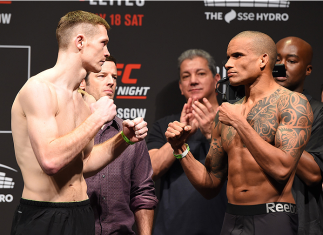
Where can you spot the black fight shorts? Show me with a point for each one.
(275, 218)
(48, 218)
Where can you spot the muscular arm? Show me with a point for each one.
(308, 170)
(291, 135)
(144, 220)
(53, 151)
(103, 154)
(207, 179)
(161, 160)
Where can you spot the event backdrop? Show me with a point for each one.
(146, 37)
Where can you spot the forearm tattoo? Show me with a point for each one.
(216, 161)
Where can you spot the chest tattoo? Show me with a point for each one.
(263, 117)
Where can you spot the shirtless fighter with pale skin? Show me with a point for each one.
(256, 143)
(53, 130)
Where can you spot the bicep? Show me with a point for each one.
(294, 129)
(39, 108)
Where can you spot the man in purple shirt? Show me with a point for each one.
(123, 192)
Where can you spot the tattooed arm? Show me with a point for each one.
(291, 134)
(207, 179)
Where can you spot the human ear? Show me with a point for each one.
(180, 87)
(82, 85)
(264, 60)
(217, 77)
(309, 69)
(79, 41)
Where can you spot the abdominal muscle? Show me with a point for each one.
(68, 185)
(249, 185)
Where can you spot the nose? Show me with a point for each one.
(193, 79)
(106, 52)
(110, 80)
(284, 63)
(228, 64)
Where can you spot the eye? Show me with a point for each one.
(105, 43)
(291, 61)
(236, 55)
(100, 76)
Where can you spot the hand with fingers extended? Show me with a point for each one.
(177, 134)
(187, 116)
(104, 108)
(204, 114)
(135, 130)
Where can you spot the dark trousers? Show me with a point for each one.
(47, 218)
(259, 220)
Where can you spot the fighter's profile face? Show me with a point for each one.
(243, 63)
(95, 50)
(103, 83)
(196, 79)
(293, 55)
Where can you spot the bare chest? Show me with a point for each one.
(263, 118)
(72, 111)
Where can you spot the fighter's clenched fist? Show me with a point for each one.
(230, 114)
(135, 130)
(104, 108)
(177, 133)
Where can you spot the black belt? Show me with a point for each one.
(271, 207)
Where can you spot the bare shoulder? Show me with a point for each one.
(37, 93)
(294, 105)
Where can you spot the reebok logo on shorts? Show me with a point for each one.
(281, 207)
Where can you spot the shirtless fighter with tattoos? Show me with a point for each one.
(256, 143)
(53, 130)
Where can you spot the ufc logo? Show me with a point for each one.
(126, 72)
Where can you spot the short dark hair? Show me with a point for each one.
(111, 58)
(108, 58)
